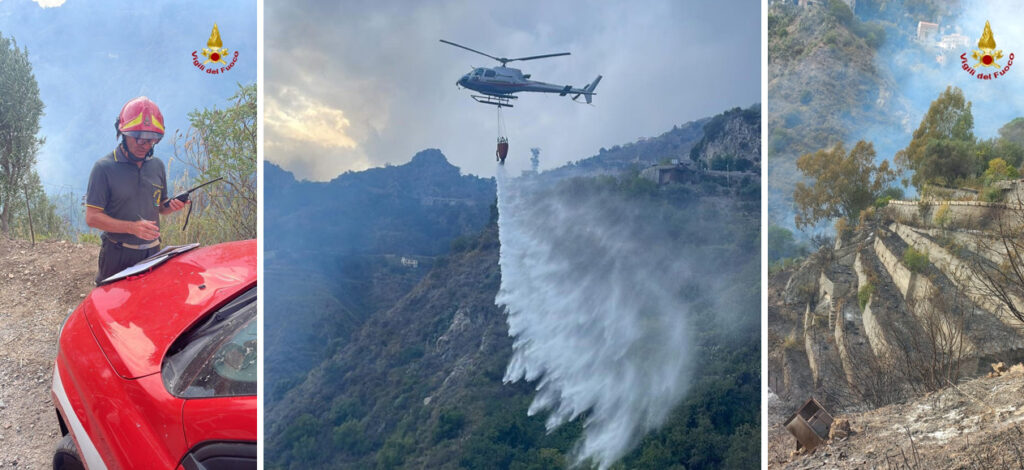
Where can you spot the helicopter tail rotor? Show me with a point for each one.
(588, 91)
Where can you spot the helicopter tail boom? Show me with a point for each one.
(588, 91)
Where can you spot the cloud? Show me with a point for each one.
(313, 140)
(49, 3)
(297, 117)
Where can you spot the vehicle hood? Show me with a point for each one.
(135, 320)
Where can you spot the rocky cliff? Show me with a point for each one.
(731, 141)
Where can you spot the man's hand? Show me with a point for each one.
(172, 206)
(145, 229)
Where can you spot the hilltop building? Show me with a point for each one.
(673, 172)
(954, 42)
(850, 3)
(926, 31)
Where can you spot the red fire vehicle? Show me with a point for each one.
(157, 367)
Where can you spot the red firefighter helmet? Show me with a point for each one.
(140, 118)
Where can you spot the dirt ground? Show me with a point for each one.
(39, 286)
(978, 424)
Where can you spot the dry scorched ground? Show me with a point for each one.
(38, 286)
(979, 424)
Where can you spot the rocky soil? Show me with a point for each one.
(976, 425)
(38, 287)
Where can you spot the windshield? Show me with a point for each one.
(153, 261)
(217, 357)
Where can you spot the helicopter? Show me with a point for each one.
(497, 84)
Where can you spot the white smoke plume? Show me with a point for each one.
(921, 71)
(592, 290)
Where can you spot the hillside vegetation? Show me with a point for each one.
(822, 80)
(327, 278)
(418, 383)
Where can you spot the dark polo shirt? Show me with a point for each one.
(125, 191)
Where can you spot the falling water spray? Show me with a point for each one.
(592, 290)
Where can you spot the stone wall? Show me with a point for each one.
(1013, 191)
(872, 328)
(959, 273)
(843, 348)
(810, 347)
(900, 274)
(967, 215)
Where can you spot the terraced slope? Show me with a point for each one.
(895, 310)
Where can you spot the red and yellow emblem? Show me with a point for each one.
(215, 52)
(986, 56)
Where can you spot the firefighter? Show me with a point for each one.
(127, 190)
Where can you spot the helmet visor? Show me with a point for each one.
(154, 136)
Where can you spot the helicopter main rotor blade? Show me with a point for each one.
(540, 56)
(502, 60)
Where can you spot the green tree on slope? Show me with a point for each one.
(942, 148)
(844, 184)
(220, 143)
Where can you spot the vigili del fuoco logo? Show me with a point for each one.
(987, 56)
(214, 53)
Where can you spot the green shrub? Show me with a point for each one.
(916, 261)
(941, 217)
(864, 294)
(350, 438)
(832, 38)
(449, 423)
(394, 452)
(992, 195)
(999, 170)
(840, 11)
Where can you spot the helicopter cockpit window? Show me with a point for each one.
(478, 72)
(489, 73)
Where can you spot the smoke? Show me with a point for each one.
(535, 159)
(592, 288)
(922, 71)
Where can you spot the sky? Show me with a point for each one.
(364, 83)
(91, 57)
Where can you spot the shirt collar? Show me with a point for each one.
(120, 157)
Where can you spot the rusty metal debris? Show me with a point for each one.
(809, 425)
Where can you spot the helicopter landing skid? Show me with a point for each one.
(499, 101)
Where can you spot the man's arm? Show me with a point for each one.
(144, 229)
